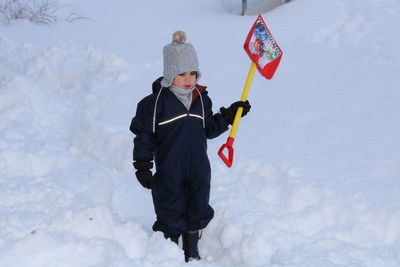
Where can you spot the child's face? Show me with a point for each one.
(186, 80)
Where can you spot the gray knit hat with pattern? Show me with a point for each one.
(179, 57)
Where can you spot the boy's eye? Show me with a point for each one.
(193, 73)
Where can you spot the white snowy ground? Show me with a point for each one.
(316, 178)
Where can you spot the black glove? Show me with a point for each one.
(230, 113)
(143, 173)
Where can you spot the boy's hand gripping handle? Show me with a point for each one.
(229, 160)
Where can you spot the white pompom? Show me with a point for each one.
(179, 37)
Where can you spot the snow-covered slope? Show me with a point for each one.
(315, 181)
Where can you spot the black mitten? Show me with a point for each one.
(230, 113)
(143, 173)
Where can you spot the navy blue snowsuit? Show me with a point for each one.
(176, 138)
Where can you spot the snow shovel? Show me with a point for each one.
(265, 55)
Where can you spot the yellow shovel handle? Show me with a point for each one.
(229, 143)
(245, 93)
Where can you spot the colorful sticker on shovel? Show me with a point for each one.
(262, 48)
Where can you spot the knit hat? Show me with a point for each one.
(179, 57)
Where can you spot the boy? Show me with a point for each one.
(172, 126)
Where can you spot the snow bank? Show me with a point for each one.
(46, 168)
(91, 238)
(266, 215)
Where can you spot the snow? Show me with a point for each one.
(315, 179)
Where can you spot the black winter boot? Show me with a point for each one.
(189, 241)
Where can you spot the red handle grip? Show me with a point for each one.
(228, 160)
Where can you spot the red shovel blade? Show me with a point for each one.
(228, 160)
(262, 48)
